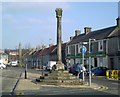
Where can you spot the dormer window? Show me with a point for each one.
(100, 45)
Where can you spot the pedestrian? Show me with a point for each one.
(77, 70)
(83, 69)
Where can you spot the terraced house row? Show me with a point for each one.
(104, 49)
(40, 57)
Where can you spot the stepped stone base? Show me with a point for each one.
(61, 77)
(60, 65)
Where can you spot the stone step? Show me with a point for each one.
(63, 81)
(60, 72)
(64, 71)
(80, 83)
(60, 77)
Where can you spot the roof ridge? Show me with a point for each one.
(103, 29)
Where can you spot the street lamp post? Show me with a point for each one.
(90, 61)
(26, 69)
(42, 66)
(83, 65)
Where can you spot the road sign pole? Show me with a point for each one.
(83, 54)
(83, 66)
(26, 69)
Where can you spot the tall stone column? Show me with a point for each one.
(60, 65)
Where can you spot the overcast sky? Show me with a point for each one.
(35, 23)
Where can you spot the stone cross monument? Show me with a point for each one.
(60, 65)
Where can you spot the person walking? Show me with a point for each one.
(83, 69)
(77, 70)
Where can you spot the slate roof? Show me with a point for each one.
(47, 51)
(55, 50)
(97, 34)
(115, 34)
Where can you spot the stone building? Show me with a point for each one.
(37, 58)
(105, 50)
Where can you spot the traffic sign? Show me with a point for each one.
(84, 49)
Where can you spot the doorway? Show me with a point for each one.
(95, 62)
(111, 63)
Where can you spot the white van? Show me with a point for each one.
(50, 64)
(14, 63)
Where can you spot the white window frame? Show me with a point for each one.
(68, 50)
(75, 49)
(100, 43)
(79, 48)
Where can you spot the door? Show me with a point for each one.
(95, 62)
(111, 63)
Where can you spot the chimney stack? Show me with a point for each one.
(118, 22)
(50, 45)
(71, 37)
(87, 30)
(77, 32)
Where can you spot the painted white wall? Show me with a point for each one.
(77, 60)
(71, 61)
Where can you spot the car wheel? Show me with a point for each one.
(54, 67)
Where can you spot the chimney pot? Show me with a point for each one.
(50, 45)
(71, 37)
(87, 30)
(77, 32)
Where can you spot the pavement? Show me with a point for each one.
(27, 86)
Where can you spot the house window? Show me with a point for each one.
(100, 45)
(91, 47)
(119, 43)
(69, 50)
(79, 48)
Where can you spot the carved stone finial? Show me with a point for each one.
(58, 12)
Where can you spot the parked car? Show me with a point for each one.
(2, 66)
(98, 71)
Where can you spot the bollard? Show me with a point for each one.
(107, 74)
(112, 74)
(116, 74)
